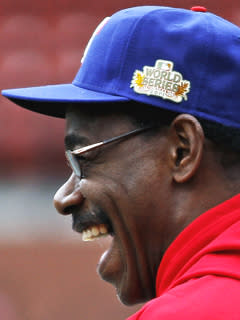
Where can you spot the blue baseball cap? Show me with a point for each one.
(186, 61)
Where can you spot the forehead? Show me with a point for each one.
(92, 115)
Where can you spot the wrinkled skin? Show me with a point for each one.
(142, 185)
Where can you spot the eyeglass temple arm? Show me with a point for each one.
(96, 145)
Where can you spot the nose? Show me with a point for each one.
(68, 196)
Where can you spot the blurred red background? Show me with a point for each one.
(42, 42)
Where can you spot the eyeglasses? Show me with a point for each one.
(72, 156)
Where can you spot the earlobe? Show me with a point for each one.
(187, 147)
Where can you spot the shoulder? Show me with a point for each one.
(209, 297)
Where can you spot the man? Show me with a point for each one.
(152, 136)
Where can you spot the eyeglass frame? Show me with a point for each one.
(74, 162)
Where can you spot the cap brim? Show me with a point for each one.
(52, 99)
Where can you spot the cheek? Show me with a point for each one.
(148, 186)
(145, 178)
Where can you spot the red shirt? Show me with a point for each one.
(199, 275)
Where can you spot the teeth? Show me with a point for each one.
(103, 229)
(94, 232)
(88, 233)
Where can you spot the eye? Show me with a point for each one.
(82, 158)
(83, 164)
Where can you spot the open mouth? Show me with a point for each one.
(92, 225)
(95, 232)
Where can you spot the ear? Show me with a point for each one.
(187, 147)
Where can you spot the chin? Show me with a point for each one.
(130, 301)
(131, 295)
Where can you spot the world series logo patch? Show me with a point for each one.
(161, 81)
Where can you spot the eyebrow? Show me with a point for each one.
(72, 140)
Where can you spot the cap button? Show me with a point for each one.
(199, 9)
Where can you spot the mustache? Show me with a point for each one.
(87, 219)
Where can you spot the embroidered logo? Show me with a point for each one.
(161, 81)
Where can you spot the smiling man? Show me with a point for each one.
(152, 137)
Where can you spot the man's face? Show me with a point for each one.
(126, 187)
